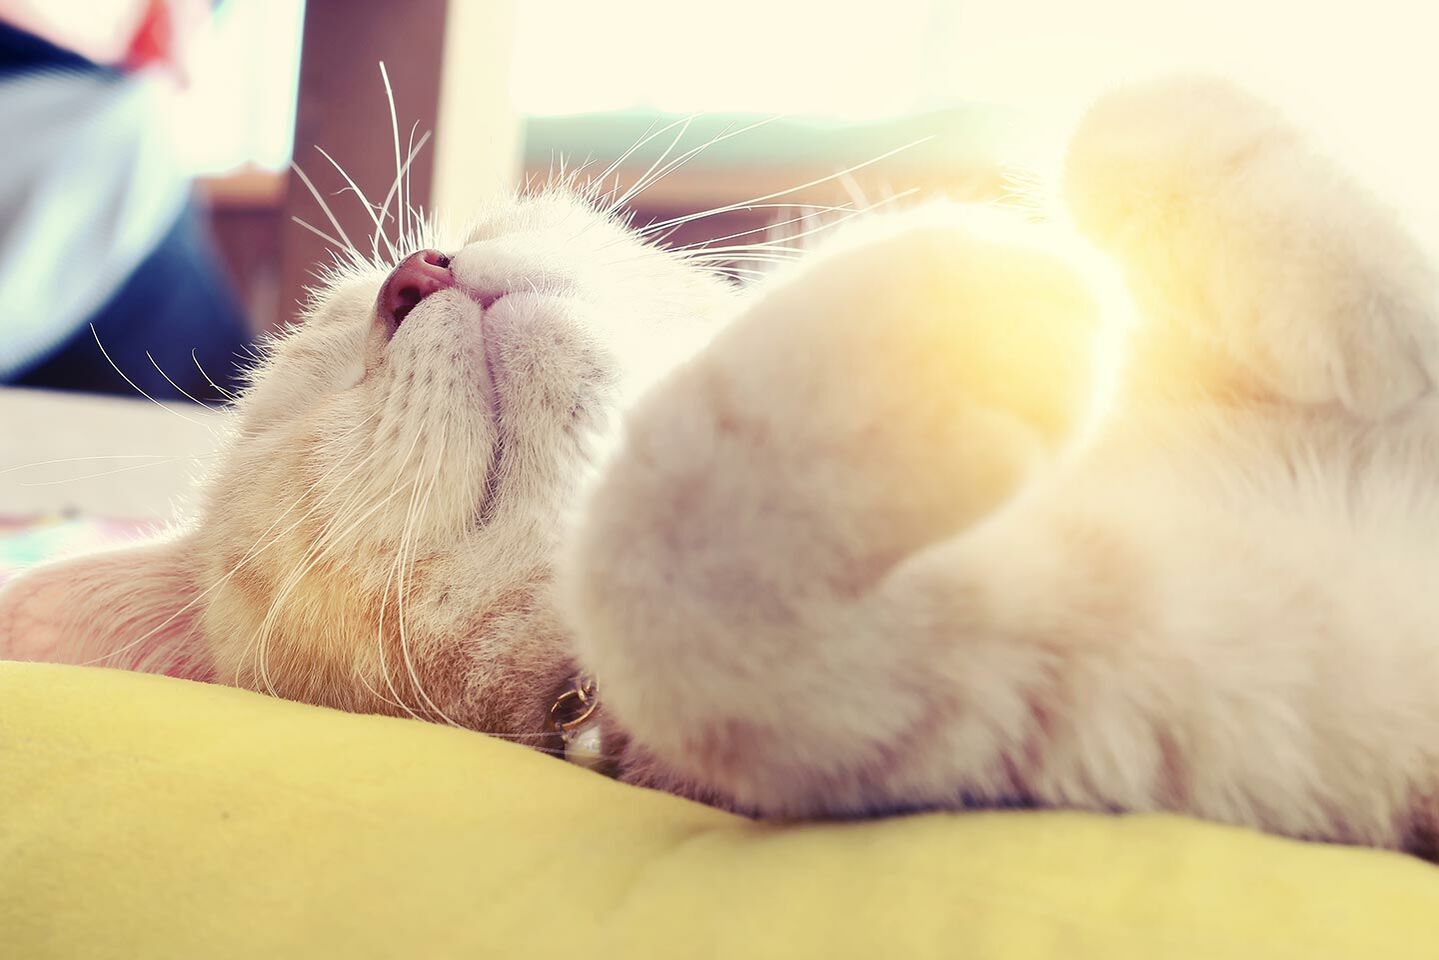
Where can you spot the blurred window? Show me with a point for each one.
(1352, 68)
(239, 110)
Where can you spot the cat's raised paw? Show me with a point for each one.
(1263, 271)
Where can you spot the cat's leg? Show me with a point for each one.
(1260, 269)
(752, 583)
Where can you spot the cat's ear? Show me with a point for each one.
(135, 608)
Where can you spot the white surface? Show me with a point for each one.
(112, 457)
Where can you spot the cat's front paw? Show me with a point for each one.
(887, 396)
(890, 393)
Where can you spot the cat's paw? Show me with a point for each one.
(890, 393)
(1142, 151)
(887, 396)
(1260, 266)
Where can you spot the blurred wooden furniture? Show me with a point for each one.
(342, 107)
(448, 65)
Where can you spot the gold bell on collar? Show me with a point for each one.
(574, 716)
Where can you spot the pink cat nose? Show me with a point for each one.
(417, 276)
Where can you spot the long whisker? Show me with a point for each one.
(314, 555)
(291, 583)
(411, 215)
(218, 389)
(321, 234)
(649, 134)
(109, 473)
(401, 587)
(395, 133)
(640, 183)
(106, 354)
(758, 249)
(811, 213)
(172, 383)
(749, 204)
(255, 550)
(161, 457)
(660, 237)
(395, 186)
(690, 154)
(742, 273)
(330, 214)
(385, 593)
(379, 234)
(781, 250)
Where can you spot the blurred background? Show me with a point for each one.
(150, 191)
(148, 204)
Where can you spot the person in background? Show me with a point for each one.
(108, 280)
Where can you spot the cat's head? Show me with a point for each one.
(378, 534)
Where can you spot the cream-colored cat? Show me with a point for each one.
(380, 532)
(888, 542)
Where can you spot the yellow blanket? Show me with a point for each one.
(148, 817)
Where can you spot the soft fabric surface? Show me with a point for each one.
(143, 816)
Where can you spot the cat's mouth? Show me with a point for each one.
(425, 273)
(485, 298)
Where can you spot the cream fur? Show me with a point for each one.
(871, 561)
(895, 538)
(380, 533)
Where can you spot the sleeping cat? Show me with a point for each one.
(379, 534)
(894, 538)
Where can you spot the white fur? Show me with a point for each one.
(862, 572)
(379, 534)
(888, 542)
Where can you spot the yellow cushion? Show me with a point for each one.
(142, 816)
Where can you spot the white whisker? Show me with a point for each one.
(320, 233)
(255, 550)
(401, 587)
(325, 207)
(104, 473)
(411, 215)
(640, 184)
(813, 212)
(395, 187)
(690, 154)
(159, 457)
(208, 379)
(750, 204)
(649, 134)
(395, 133)
(171, 410)
(379, 234)
(172, 383)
